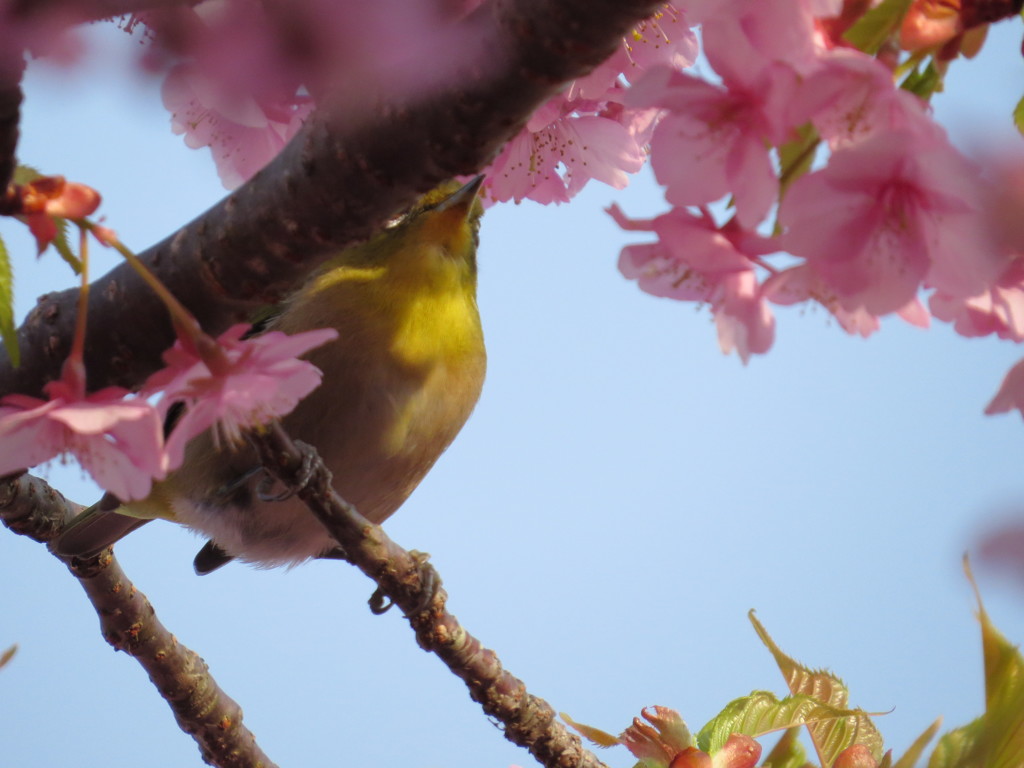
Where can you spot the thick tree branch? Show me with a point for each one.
(32, 508)
(12, 66)
(342, 176)
(408, 581)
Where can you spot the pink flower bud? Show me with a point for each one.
(691, 757)
(855, 756)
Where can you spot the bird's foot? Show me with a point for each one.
(263, 490)
(430, 585)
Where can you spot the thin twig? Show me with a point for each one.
(409, 582)
(30, 507)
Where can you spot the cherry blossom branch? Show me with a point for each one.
(12, 66)
(30, 507)
(408, 581)
(76, 11)
(340, 178)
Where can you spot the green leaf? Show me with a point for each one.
(7, 655)
(8, 332)
(996, 739)
(875, 27)
(788, 752)
(796, 156)
(829, 737)
(957, 748)
(1018, 115)
(762, 712)
(24, 174)
(912, 755)
(1003, 740)
(923, 83)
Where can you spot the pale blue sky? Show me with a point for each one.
(622, 496)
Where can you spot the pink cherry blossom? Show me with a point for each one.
(851, 96)
(742, 36)
(887, 215)
(998, 310)
(665, 39)
(693, 260)
(254, 380)
(712, 141)
(244, 133)
(116, 438)
(589, 140)
(801, 283)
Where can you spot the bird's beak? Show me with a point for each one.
(462, 198)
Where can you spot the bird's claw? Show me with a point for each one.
(430, 585)
(263, 490)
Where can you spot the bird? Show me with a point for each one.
(398, 384)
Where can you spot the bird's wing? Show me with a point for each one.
(94, 530)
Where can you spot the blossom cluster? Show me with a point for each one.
(118, 436)
(826, 161)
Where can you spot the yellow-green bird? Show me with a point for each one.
(398, 384)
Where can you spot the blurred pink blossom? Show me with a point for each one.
(117, 439)
(243, 133)
(1011, 393)
(998, 310)
(1003, 548)
(742, 36)
(249, 382)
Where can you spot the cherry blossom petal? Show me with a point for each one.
(744, 321)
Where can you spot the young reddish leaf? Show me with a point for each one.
(832, 736)
(589, 732)
(7, 655)
(7, 329)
